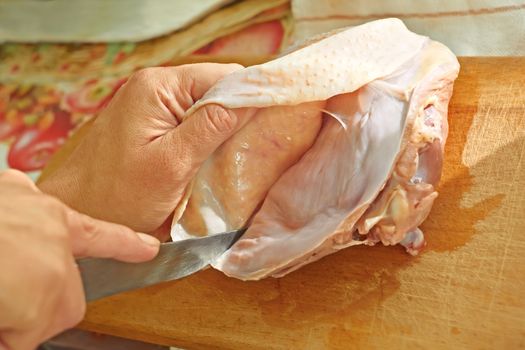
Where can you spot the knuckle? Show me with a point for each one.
(17, 179)
(52, 204)
(88, 227)
(56, 209)
(84, 231)
(10, 174)
(235, 66)
(144, 75)
(220, 120)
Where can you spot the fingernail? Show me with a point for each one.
(148, 239)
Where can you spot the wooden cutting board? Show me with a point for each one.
(466, 290)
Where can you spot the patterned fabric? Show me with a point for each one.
(48, 90)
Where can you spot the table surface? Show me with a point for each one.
(466, 290)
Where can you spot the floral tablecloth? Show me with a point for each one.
(48, 90)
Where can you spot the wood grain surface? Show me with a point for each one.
(465, 291)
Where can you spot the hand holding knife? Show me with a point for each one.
(105, 277)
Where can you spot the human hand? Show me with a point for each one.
(41, 291)
(134, 165)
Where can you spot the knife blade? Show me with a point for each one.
(105, 277)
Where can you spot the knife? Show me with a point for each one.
(105, 277)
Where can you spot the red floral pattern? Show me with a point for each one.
(36, 119)
(92, 96)
(31, 119)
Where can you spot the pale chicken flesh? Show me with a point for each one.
(346, 148)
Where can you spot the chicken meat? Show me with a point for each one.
(346, 148)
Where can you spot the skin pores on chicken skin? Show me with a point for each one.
(366, 176)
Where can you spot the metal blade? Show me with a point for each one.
(105, 277)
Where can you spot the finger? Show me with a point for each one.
(17, 178)
(199, 78)
(100, 239)
(21, 340)
(186, 84)
(162, 233)
(72, 305)
(204, 131)
(63, 313)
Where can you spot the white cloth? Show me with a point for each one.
(97, 20)
(468, 28)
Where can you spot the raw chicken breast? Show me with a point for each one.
(234, 182)
(346, 149)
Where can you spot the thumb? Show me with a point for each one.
(100, 239)
(205, 130)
